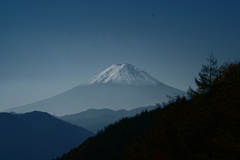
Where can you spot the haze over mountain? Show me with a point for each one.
(121, 86)
(96, 119)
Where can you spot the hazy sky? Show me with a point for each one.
(50, 46)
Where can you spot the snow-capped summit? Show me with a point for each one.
(123, 74)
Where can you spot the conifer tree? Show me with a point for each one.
(206, 77)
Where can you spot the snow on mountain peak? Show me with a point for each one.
(123, 74)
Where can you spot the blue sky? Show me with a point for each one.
(50, 46)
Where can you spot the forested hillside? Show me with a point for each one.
(204, 126)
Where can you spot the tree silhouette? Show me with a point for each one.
(206, 77)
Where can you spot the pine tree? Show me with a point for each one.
(206, 77)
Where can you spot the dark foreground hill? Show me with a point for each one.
(37, 136)
(205, 127)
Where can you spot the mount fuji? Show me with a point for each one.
(125, 74)
(121, 86)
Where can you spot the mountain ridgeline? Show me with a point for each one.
(205, 126)
(121, 86)
(96, 119)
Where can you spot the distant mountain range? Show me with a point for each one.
(96, 119)
(121, 86)
(37, 136)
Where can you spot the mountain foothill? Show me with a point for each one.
(37, 135)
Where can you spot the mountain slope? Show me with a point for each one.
(182, 130)
(118, 87)
(37, 136)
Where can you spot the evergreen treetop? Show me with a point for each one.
(206, 77)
